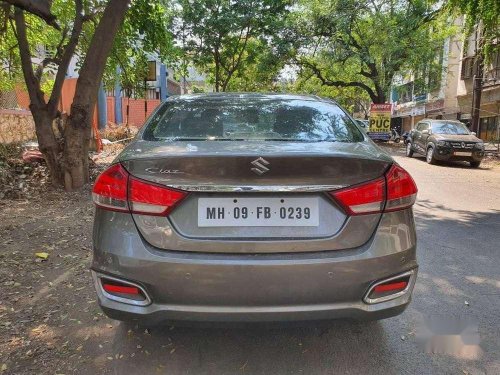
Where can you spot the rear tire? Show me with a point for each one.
(429, 157)
(409, 150)
(475, 164)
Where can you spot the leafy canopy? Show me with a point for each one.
(145, 35)
(484, 12)
(351, 44)
(222, 37)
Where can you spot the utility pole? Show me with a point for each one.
(477, 85)
(102, 108)
(118, 98)
(477, 90)
(163, 82)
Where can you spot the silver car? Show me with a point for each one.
(253, 207)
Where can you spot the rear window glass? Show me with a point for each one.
(251, 119)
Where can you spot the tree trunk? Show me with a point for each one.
(217, 76)
(48, 143)
(379, 99)
(44, 113)
(78, 129)
(76, 147)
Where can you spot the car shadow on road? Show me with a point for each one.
(455, 164)
(312, 348)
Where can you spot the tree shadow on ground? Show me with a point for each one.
(459, 262)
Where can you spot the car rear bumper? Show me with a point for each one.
(155, 314)
(186, 286)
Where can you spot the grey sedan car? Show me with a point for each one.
(253, 207)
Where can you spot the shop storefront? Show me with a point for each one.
(489, 113)
(435, 109)
(409, 115)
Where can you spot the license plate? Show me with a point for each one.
(258, 212)
(458, 153)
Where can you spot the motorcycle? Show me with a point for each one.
(405, 136)
(395, 137)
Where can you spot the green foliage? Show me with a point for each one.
(45, 42)
(260, 69)
(484, 12)
(351, 44)
(144, 35)
(353, 99)
(225, 38)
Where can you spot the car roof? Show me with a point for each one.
(436, 121)
(215, 96)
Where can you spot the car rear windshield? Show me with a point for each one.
(450, 128)
(251, 119)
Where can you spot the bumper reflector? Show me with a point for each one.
(110, 288)
(120, 290)
(390, 288)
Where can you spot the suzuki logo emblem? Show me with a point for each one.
(260, 166)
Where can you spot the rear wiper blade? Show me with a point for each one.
(172, 139)
(287, 140)
(332, 139)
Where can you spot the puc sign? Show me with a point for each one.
(380, 121)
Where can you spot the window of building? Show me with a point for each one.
(492, 72)
(489, 128)
(467, 68)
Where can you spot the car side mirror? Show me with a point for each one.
(473, 133)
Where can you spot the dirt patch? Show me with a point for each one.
(49, 319)
(20, 179)
(44, 304)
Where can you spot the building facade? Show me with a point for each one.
(489, 110)
(453, 97)
(412, 104)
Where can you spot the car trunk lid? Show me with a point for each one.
(256, 171)
(255, 166)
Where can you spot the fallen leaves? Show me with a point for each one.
(42, 255)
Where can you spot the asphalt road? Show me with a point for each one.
(458, 220)
(50, 322)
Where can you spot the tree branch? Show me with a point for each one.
(32, 83)
(326, 82)
(237, 61)
(40, 8)
(65, 57)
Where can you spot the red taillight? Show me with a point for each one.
(110, 189)
(401, 189)
(115, 190)
(362, 199)
(395, 191)
(150, 199)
